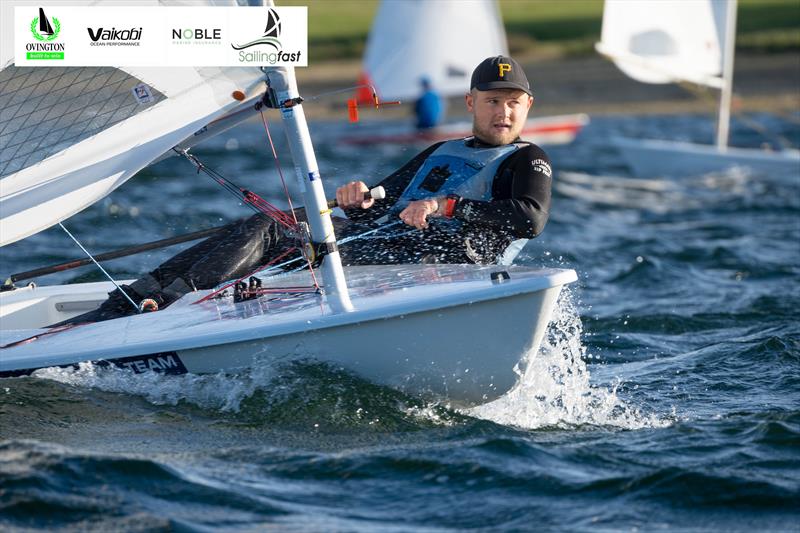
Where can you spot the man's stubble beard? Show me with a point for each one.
(494, 139)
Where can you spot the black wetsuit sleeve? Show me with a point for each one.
(521, 194)
(394, 184)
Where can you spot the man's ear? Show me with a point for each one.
(530, 102)
(468, 100)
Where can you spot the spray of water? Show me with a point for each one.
(211, 391)
(554, 389)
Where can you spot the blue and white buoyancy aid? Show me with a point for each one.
(468, 172)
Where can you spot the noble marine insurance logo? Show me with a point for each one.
(45, 31)
(269, 39)
(196, 36)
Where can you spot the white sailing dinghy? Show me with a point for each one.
(453, 332)
(443, 41)
(668, 41)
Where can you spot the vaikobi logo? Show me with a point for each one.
(114, 37)
(268, 48)
(45, 31)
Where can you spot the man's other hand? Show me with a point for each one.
(418, 211)
(352, 195)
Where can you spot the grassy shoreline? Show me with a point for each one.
(542, 28)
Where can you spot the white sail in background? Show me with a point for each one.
(69, 135)
(441, 40)
(663, 41)
(666, 41)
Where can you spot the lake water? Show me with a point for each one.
(666, 395)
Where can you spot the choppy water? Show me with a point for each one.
(666, 395)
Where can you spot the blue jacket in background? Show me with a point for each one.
(428, 109)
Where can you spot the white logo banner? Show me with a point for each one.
(158, 36)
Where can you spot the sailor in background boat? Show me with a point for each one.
(471, 200)
(428, 107)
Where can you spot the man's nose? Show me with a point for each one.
(502, 110)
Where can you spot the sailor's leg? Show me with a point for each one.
(246, 246)
(236, 250)
(179, 265)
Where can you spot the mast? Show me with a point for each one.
(724, 116)
(282, 81)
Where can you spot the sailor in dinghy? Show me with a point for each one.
(475, 200)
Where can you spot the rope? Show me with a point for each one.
(256, 202)
(309, 261)
(253, 273)
(271, 266)
(103, 270)
(278, 164)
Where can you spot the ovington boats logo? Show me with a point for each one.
(44, 26)
(45, 31)
(272, 32)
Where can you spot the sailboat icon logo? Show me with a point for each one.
(271, 33)
(41, 28)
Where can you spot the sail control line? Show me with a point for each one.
(103, 270)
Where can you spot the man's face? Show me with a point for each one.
(498, 114)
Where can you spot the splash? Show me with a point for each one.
(298, 394)
(210, 391)
(555, 390)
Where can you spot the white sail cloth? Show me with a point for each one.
(666, 41)
(441, 40)
(70, 136)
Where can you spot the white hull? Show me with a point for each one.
(656, 158)
(444, 331)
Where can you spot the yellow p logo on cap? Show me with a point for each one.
(503, 68)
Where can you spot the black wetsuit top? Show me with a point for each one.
(519, 209)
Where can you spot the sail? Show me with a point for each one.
(664, 41)
(440, 40)
(69, 136)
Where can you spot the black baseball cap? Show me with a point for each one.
(499, 72)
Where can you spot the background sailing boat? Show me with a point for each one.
(668, 41)
(441, 41)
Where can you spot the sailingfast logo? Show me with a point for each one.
(113, 37)
(45, 31)
(270, 39)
